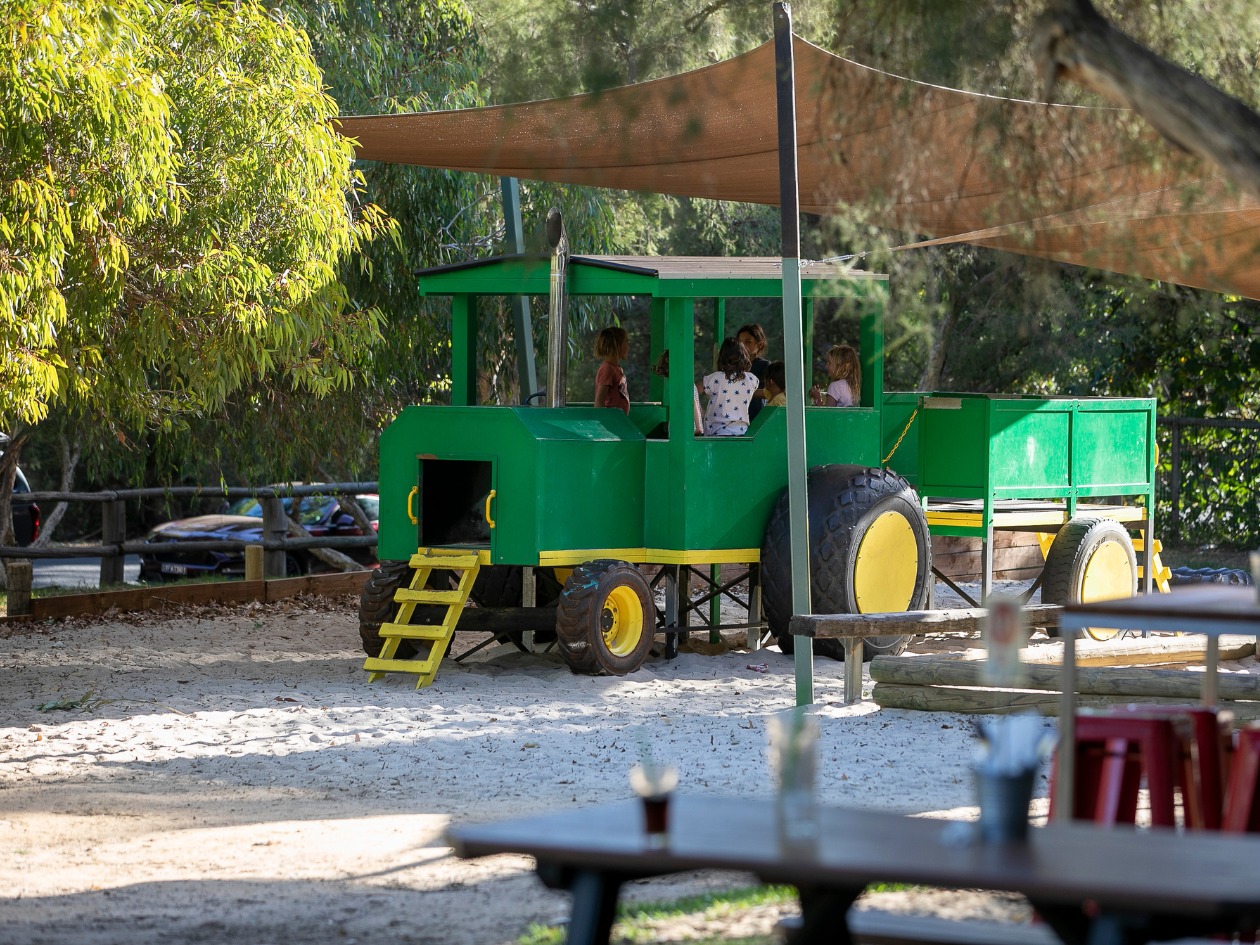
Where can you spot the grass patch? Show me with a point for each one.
(637, 922)
(640, 923)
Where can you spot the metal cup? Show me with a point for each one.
(793, 754)
(1004, 800)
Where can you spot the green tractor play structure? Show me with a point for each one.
(568, 519)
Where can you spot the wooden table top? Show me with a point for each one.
(1195, 874)
(1213, 609)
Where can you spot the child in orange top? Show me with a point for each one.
(612, 344)
(845, 371)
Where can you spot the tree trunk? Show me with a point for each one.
(1074, 42)
(69, 463)
(330, 556)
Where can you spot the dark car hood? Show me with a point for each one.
(230, 527)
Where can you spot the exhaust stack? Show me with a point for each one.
(558, 323)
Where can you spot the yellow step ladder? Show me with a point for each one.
(438, 636)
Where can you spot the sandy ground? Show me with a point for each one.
(231, 777)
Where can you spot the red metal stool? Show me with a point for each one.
(1112, 754)
(1242, 800)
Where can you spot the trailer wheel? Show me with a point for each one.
(605, 618)
(1091, 559)
(871, 553)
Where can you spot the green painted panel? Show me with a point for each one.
(898, 409)
(1028, 445)
(953, 443)
(1110, 446)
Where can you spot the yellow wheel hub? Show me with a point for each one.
(887, 566)
(1107, 575)
(621, 622)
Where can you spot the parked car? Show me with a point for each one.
(26, 518)
(319, 515)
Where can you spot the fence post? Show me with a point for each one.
(274, 529)
(254, 563)
(20, 572)
(113, 532)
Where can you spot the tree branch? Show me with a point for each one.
(1073, 42)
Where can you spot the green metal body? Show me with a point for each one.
(576, 479)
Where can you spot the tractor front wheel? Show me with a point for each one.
(605, 619)
(871, 553)
(1091, 559)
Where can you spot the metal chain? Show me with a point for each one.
(906, 430)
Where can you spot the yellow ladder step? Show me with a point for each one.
(376, 665)
(415, 632)
(452, 562)
(405, 595)
(1138, 546)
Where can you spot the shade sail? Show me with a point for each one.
(1089, 186)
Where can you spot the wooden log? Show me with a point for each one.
(959, 620)
(1127, 651)
(20, 575)
(1004, 701)
(1120, 681)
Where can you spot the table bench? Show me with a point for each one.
(1143, 885)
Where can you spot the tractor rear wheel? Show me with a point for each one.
(605, 619)
(871, 553)
(1091, 559)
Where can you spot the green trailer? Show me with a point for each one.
(575, 519)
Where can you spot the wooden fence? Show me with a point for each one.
(114, 545)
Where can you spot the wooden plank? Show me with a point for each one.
(1126, 651)
(960, 620)
(1125, 681)
(1016, 557)
(149, 598)
(1002, 701)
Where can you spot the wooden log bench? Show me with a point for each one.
(853, 628)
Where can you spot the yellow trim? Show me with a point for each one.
(1001, 519)
(490, 498)
(552, 559)
(415, 490)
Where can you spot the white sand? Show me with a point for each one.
(244, 784)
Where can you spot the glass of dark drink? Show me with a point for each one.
(654, 784)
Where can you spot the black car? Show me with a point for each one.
(26, 518)
(319, 515)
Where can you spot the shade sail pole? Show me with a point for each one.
(793, 340)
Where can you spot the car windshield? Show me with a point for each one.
(310, 508)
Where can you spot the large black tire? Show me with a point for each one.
(850, 505)
(1091, 559)
(377, 606)
(605, 619)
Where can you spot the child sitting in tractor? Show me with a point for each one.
(776, 384)
(845, 372)
(730, 388)
(612, 344)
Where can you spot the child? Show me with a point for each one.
(753, 337)
(845, 372)
(661, 368)
(611, 390)
(730, 388)
(776, 384)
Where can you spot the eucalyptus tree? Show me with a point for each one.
(175, 215)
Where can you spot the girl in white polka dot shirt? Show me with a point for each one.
(730, 388)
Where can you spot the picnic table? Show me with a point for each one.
(1144, 885)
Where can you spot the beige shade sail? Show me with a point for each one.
(1090, 186)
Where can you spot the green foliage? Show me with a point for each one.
(181, 196)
